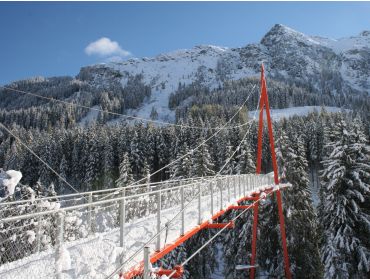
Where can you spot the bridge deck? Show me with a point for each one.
(137, 270)
(98, 255)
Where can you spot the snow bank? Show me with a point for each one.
(9, 179)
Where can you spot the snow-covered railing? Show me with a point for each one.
(83, 197)
(26, 230)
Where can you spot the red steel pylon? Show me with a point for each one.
(264, 104)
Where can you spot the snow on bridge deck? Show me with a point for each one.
(99, 254)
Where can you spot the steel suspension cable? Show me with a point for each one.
(220, 231)
(195, 149)
(133, 184)
(118, 114)
(40, 159)
(185, 207)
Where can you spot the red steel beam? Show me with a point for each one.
(177, 275)
(265, 102)
(138, 269)
(260, 126)
(239, 207)
(288, 274)
(221, 225)
(271, 135)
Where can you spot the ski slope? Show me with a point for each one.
(278, 114)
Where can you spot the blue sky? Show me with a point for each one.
(50, 38)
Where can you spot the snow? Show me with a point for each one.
(64, 260)
(218, 273)
(97, 256)
(90, 117)
(164, 73)
(345, 44)
(9, 179)
(31, 236)
(278, 114)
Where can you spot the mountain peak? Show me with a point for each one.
(280, 33)
(365, 33)
(282, 28)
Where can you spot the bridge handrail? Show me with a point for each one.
(78, 195)
(112, 200)
(63, 229)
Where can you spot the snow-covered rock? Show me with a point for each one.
(341, 66)
(141, 86)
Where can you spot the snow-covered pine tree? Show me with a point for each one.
(202, 265)
(11, 158)
(63, 170)
(270, 256)
(183, 167)
(136, 154)
(92, 159)
(146, 172)
(125, 173)
(246, 163)
(108, 168)
(345, 218)
(237, 245)
(230, 163)
(300, 217)
(173, 258)
(202, 162)
(46, 154)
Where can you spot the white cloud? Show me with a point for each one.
(105, 47)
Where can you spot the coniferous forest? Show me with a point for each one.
(131, 145)
(325, 156)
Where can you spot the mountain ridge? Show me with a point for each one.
(334, 66)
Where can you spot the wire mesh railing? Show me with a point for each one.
(124, 222)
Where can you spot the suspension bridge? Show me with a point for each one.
(122, 232)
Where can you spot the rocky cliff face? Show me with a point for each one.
(321, 65)
(324, 65)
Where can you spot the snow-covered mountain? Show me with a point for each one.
(323, 64)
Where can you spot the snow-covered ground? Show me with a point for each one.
(90, 117)
(278, 114)
(211, 65)
(164, 73)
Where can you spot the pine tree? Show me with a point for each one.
(346, 184)
(202, 265)
(237, 245)
(63, 169)
(230, 163)
(108, 169)
(270, 256)
(125, 173)
(203, 165)
(246, 163)
(183, 167)
(301, 225)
